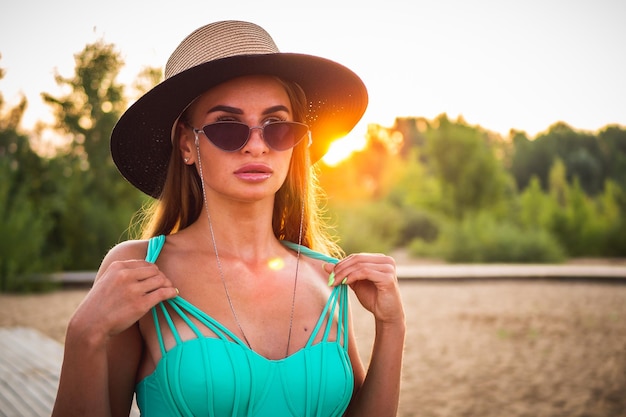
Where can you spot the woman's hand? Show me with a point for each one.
(123, 292)
(373, 279)
(103, 346)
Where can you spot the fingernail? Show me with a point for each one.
(345, 280)
(331, 279)
(177, 292)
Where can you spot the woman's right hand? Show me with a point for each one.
(103, 345)
(122, 293)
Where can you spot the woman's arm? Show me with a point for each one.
(374, 281)
(103, 345)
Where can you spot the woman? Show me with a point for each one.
(238, 308)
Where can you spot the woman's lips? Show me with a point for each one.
(254, 172)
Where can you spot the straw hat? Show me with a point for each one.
(141, 142)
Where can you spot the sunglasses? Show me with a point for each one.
(232, 136)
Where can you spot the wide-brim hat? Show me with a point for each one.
(141, 141)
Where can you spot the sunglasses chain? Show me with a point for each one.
(221, 271)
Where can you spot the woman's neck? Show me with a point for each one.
(241, 230)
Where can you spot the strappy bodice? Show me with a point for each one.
(220, 375)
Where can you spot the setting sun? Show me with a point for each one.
(342, 148)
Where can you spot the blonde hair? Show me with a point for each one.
(181, 201)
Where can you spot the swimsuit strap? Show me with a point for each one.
(178, 304)
(339, 296)
(216, 327)
(155, 245)
(309, 252)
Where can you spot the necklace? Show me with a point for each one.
(228, 297)
(221, 270)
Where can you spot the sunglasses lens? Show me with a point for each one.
(232, 136)
(281, 136)
(228, 136)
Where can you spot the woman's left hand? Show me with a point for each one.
(373, 279)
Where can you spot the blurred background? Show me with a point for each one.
(496, 130)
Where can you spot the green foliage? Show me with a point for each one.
(414, 186)
(417, 223)
(371, 227)
(66, 211)
(452, 197)
(583, 226)
(612, 215)
(417, 196)
(23, 230)
(25, 217)
(405, 212)
(471, 177)
(584, 155)
(536, 207)
(612, 141)
(97, 202)
(480, 238)
(147, 78)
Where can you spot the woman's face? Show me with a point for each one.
(255, 171)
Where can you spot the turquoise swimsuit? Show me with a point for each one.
(221, 376)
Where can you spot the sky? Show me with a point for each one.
(500, 64)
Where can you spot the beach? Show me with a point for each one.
(474, 348)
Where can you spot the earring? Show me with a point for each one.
(187, 160)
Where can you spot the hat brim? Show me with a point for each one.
(141, 143)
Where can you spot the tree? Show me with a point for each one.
(471, 177)
(613, 214)
(574, 218)
(411, 129)
(99, 202)
(581, 152)
(529, 160)
(25, 217)
(612, 141)
(91, 108)
(536, 207)
(147, 78)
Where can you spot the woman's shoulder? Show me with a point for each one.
(130, 249)
(126, 251)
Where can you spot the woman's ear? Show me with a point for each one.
(186, 142)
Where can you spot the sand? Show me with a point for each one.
(474, 348)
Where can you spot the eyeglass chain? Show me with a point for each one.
(221, 271)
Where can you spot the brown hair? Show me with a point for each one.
(180, 202)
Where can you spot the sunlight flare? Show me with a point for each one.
(276, 264)
(342, 148)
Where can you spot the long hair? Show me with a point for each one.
(296, 203)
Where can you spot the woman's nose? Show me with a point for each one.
(256, 144)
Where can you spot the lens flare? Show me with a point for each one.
(341, 149)
(276, 264)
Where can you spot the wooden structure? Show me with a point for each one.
(30, 365)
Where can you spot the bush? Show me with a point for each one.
(417, 224)
(482, 239)
(23, 230)
(419, 248)
(371, 227)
